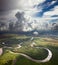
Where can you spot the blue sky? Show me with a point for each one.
(46, 6)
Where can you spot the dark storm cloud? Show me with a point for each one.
(20, 18)
(13, 24)
(4, 5)
(54, 16)
(7, 10)
(20, 15)
(54, 24)
(55, 27)
(8, 5)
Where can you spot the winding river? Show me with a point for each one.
(49, 56)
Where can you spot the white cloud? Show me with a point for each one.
(30, 3)
(27, 7)
(21, 5)
(54, 11)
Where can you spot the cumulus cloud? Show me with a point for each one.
(37, 13)
(55, 26)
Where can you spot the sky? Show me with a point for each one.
(39, 14)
